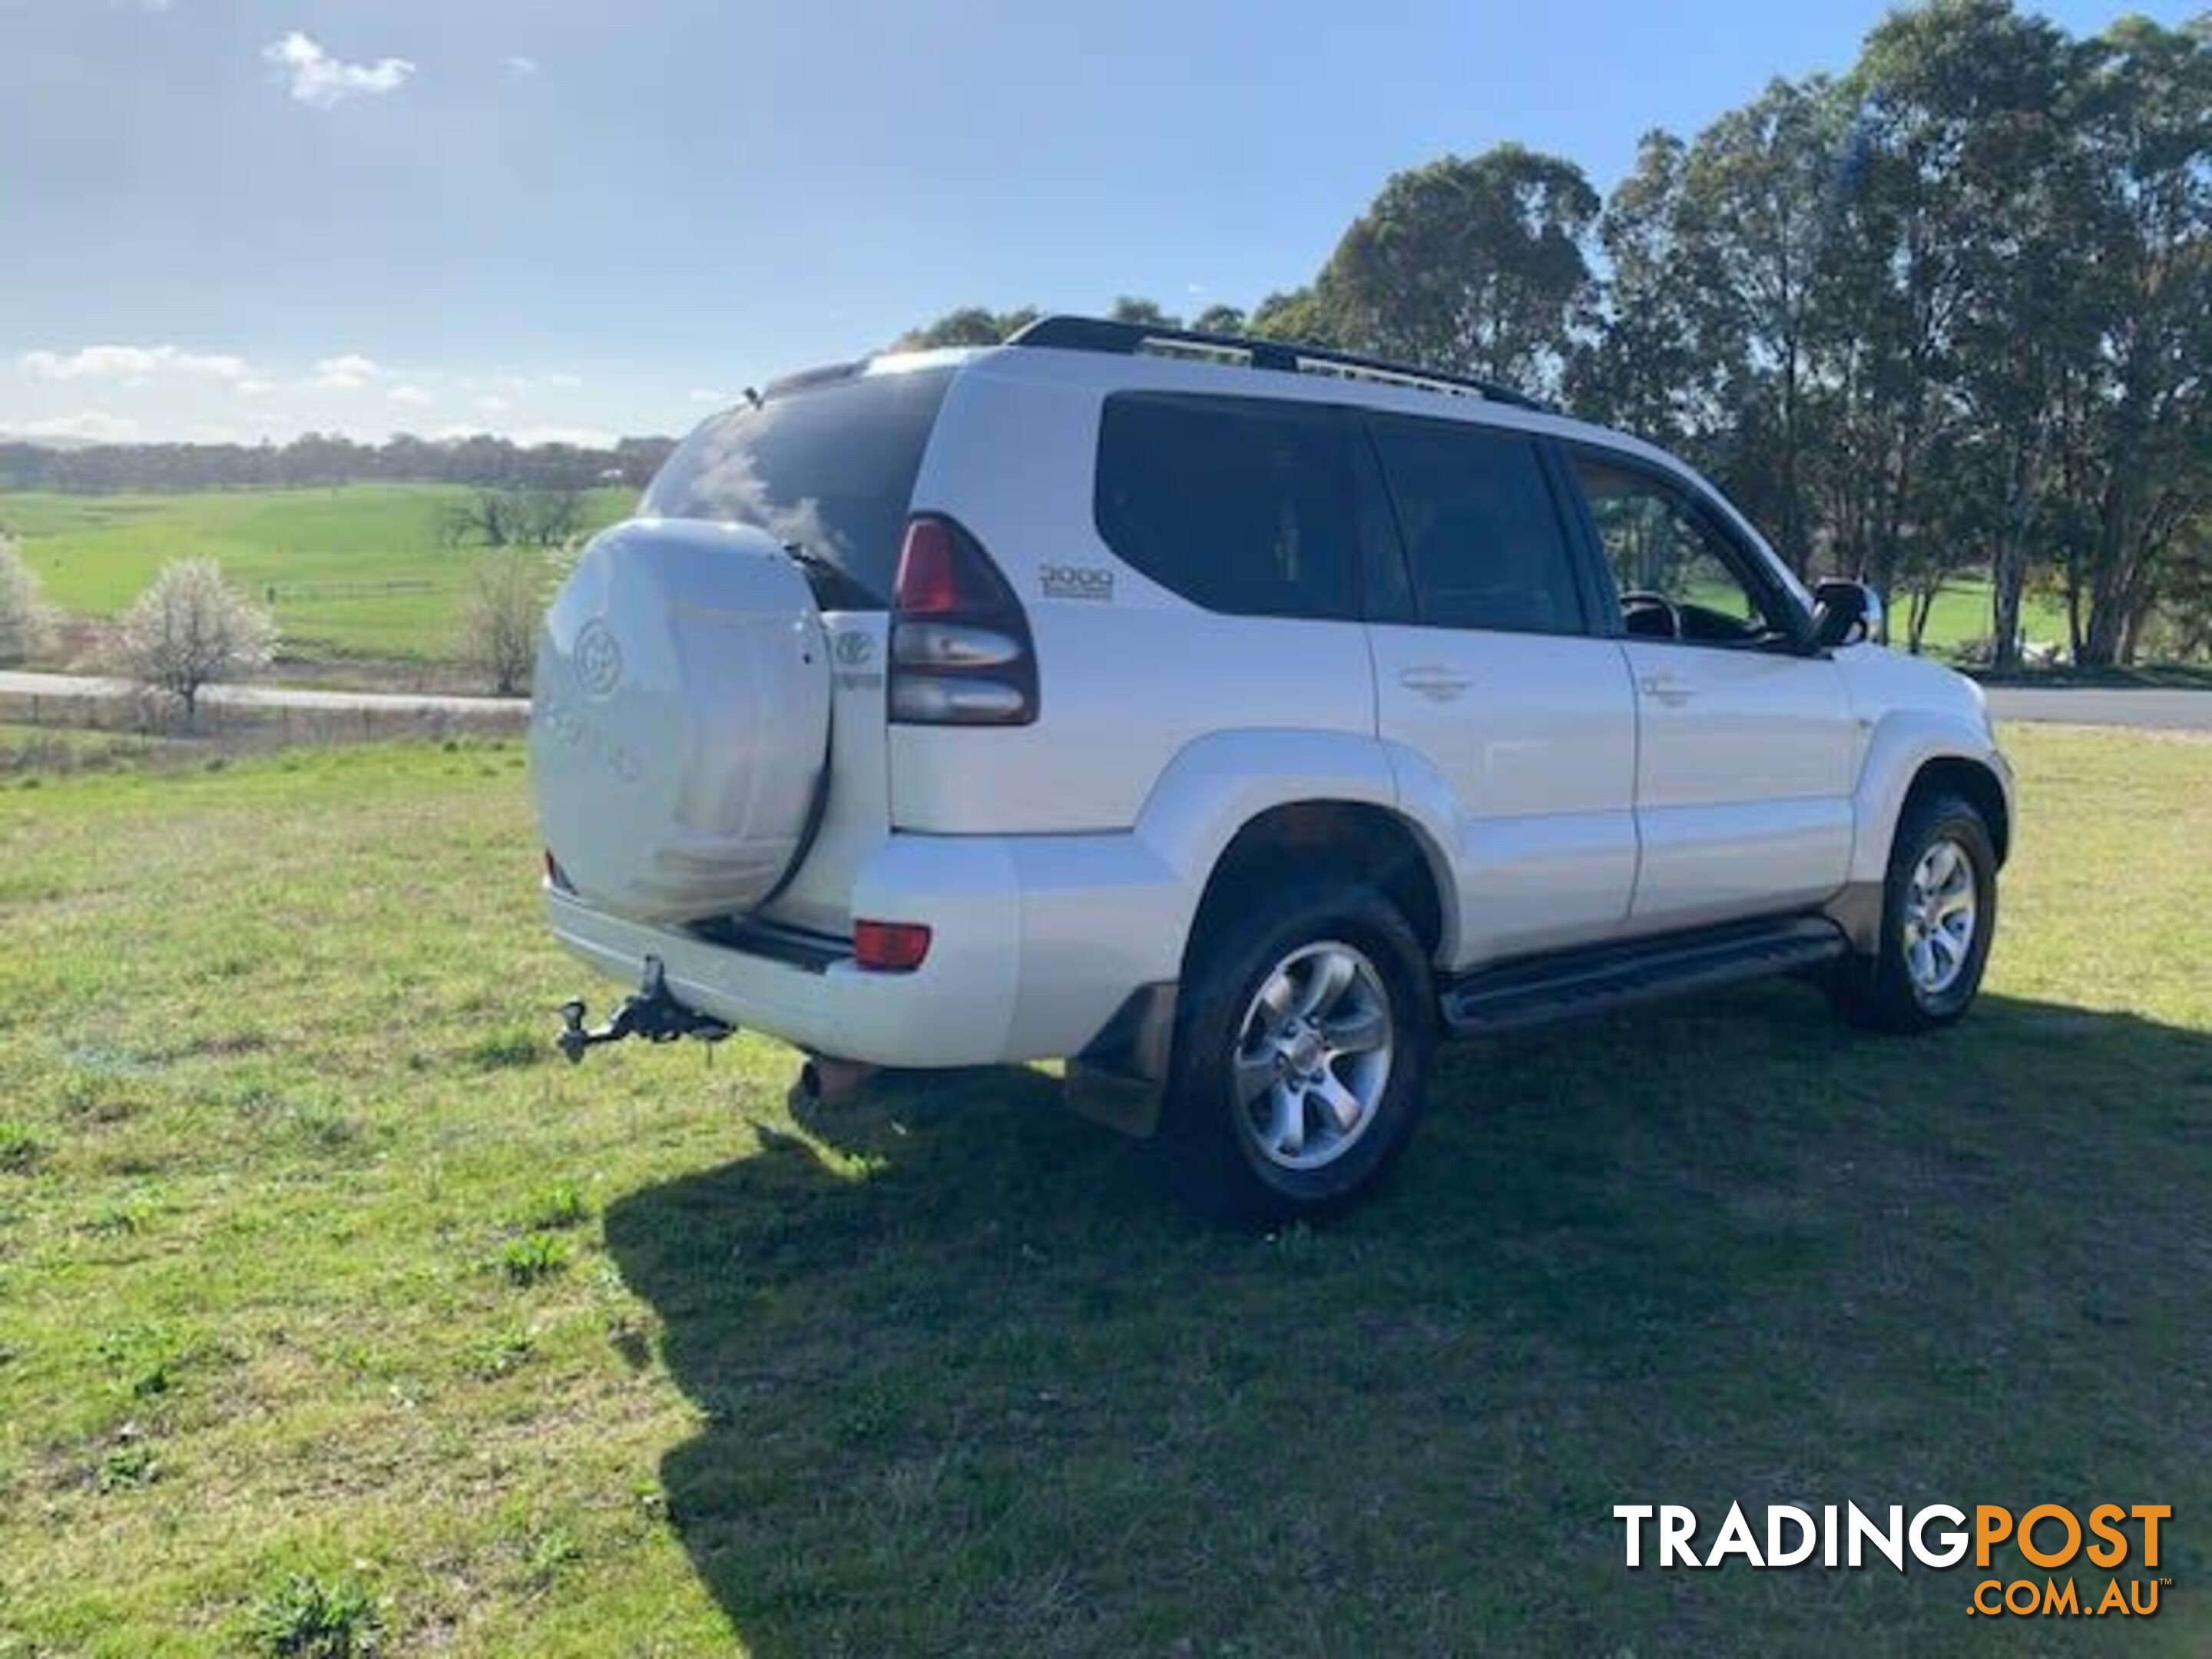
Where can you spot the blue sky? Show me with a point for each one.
(231, 218)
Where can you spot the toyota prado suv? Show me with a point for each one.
(1233, 721)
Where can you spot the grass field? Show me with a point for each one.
(329, 1307)
(357, 571)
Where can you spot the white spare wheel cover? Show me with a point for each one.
(681, 719)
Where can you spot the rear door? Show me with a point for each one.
(1747, 748)
(826, 464)
(1489, 667)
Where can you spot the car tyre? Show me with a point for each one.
(1939, 914)
(1304, 1032)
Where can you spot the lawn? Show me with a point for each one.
(329, 1303)
(355, 571)
(1961, 614)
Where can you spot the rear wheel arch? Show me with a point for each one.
(1300, 841)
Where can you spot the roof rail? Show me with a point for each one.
(1064, 333)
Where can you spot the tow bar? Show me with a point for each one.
(651, 1013)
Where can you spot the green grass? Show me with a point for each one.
(1962, 613)
(938, 1370)
(357, 570)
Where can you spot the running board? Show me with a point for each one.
(1597, 979)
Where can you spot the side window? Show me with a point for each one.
(1238, 504)
(1669, 561)
(1482, 531)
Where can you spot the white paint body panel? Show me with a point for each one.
(1744, 778)
(1533, 739)
(1573, 790)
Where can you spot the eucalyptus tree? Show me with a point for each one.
(1474, 265)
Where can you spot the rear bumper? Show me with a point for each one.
(936, 1016)
(1037, 943)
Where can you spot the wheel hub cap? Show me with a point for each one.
(1313, 1056)
(1941, 909)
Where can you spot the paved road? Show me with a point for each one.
(2177, 711)
(62, 686)
(2171, 711)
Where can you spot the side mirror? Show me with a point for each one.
(1844, 613)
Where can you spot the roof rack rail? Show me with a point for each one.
(1067, 333)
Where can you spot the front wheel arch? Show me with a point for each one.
(1973, 782)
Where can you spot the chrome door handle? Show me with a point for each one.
(1434, 681)
(1665, 688)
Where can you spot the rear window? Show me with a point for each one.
(1480, 529)
(1238, 504)
(828, 470)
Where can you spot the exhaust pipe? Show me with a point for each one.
(824, 1077)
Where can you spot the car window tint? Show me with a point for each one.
(1238, 504)
(828, 468)
(1482, 531)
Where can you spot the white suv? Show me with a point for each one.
(1229, 719)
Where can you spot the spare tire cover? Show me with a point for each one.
(680, 722)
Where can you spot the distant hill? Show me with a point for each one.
(64, 445)
(82, 467)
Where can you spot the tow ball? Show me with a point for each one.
(651, 1013)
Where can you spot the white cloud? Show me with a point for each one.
(566, 382)
(702, 396)
(493, 405)
(95, 425)
(254, 387)
(413, 396)
(348, 373)
(315, 77)
(521, 67)
(134, 363)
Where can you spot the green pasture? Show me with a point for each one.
(337, 1315)
(357, 570)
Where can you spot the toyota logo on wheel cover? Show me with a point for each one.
(599, 659)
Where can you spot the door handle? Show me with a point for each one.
(1434, 681)
(1665, 688)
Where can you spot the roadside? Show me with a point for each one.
(80, 687)
(2145, 709)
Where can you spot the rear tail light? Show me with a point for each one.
(890, 947)
(960, 652)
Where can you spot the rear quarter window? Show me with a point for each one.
(1239, 505)
(828, 468)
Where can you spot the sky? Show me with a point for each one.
(223, 220)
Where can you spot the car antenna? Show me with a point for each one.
(752, 398)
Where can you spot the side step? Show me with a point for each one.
(1596, 980)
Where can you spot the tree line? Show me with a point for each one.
(316, 459)
(1948, 311)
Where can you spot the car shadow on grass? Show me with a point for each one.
(969, 1383)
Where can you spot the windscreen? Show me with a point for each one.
(828, 470)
